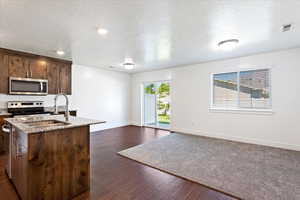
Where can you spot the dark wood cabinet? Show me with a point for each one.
(53, 77)
(24, 65)
(4, 73)
(17, 66)
(37, 69)
(59, 78)
(51, 165)
(59, 163)
(65, 79)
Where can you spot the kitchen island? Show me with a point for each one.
(50, 156)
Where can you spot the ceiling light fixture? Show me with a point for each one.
(102, 31)
(128, 63)
(228, 44)
(60, 52)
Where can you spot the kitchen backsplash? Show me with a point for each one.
(49, 99)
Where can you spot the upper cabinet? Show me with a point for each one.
(59, 78)
(3, 73)
(53, 77)
(65, 75)
(37, 69)
(24, 65)
(17, 66)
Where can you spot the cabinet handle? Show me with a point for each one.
(5, 128)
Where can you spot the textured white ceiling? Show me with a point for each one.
(155, 33)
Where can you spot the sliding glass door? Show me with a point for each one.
(157, 108)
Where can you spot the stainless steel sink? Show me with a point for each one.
(46, 123)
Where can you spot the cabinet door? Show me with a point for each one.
(4, 73)
(53, 77)
(65, 79)
(18, 66)
(37, 69)
(59, 78)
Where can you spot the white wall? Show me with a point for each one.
(190, 100)
(101, 94)
(96, 94)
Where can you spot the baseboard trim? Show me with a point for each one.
(135, 124)
(107, 128)
(238, 139)
(139, 125)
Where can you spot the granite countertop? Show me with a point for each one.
(22, 123)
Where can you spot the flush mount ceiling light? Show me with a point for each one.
(128, 63)
(102, 31)
(228, 44)
(60, 52)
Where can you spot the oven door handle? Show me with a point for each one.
(6, 128)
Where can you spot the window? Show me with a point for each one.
(242, 90)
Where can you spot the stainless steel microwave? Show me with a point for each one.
(28, 86)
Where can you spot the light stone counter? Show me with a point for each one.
(21, 123)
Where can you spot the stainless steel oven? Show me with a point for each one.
(20, 109)
(28, 86)
(7, 129)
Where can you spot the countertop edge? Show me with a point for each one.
(74, 122)
(61, 128)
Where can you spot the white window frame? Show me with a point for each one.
(238, 109)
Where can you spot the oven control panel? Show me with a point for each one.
(25, 104)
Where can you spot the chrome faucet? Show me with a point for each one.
(67, 114)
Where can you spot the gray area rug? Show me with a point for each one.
(244, 170)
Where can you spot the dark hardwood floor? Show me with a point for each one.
(117, 178)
